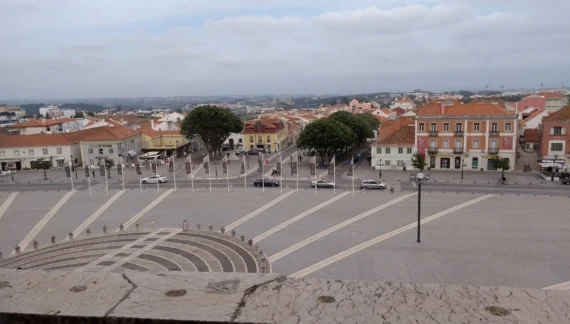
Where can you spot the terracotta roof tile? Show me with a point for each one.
(462, 110)
(33, 140)
(561, 115)
(381, 119)
(530, 135)
(403, 136)
(551, 95)
(111, 134)
(41, 122)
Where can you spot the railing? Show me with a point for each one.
(433, 133)
(494, 133)
(458, 133)
(432, 150)
(458, 150)
(493, 150)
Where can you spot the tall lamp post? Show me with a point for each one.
(553, 165)
(418, 179)
(462, 165)
(380, 166)
(74, 165)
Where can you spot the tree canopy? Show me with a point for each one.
(42, 164)
(372, 122)
(502, 163)
(418, 161)
(357, 124)
(212, 124)
(326, 137)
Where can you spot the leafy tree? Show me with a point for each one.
(109, 163)
(358, 125)
(502, 163)
(90, 114)
(43, 164)
(213, 124)
(418, 161)
(372, 122)
(79, 114)
(326, 137)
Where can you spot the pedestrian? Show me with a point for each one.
(93, 173)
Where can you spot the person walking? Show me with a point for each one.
(93, 173)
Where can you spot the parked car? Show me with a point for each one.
(372, 184)
(154, 179)
(322, 183)
(564, 178)
(239, 150)
(252, 152)
(266, 182)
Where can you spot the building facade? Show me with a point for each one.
(269, 134)
(466, 136)
(113, 143)
(554, 101)
(395, 148)
(53, 125)
(554, 137)
(21, 152)
(54, 111)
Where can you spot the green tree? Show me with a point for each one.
(79, 114)
(418, 161)
(502, 163)
(42, 164)
(90, 114)
(358, 125)
(372, 122)
(326, 137)
(213, 124)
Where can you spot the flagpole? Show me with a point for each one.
(262, 174)
(244, 173)
(123, 174)
(297, 164)
(227, 174)
(281, 170)
(352, 164)
(89, 180)
(106, 181)
(209, 173)
(71, 177)
(140, 182)
(174, 172)
(315, 168)
(156, 173)
(191, 171)
(334, 174)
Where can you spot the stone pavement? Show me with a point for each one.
(249, 298)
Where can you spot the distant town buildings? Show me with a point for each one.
(52, 125)
(404, 103)
(55, 111)
(554, 139)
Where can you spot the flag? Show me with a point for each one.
(294, 164)
(278, 167)
(313, 165)
(171, 165)
(153, 166)
(67, 169)
(351, 167)
(331, 166)
(138, 168)
(206, 162)
(188, 165)
(242, 171)
(102, 170)
(86, 171)
(120, 168)
(225, 164)
(260, 162)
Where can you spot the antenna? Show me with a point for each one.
(502, 87)
(541, 85)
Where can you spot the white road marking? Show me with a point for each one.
(383, 237)
(335, 228)
(7, 203)
(145, 210)
(258, 211)
(134, 255)
(560, 286)
(96, 214)
(124, 248)
(288, 222)
(39, 225)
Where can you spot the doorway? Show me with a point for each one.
(444, 163)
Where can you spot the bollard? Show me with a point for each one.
(137, 226)
(35, 244)
(53, 239)
(250, 242)
(17, 249)
(260, 252)
(242, 238)
(70, 235)
(121, 227)
(262, 267)
(104, 228)
(223, 230)
(211, 227)
(88, 231)
(0, 255)
(198, 226)
(233, 233)
(256, 246)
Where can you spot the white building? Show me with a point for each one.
(395, 151)
(114, 143)
(54, 111)
(21, 152)
(53, 125)
(404, 103)
(233, 141)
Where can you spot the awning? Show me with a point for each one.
(132, 153)
(555, 165)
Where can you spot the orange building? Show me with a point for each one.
(451, 135)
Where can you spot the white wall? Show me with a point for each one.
(25, 156)
(393, 157)
(110, 150)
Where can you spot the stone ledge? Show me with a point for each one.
(36, 296)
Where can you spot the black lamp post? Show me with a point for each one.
(380, 166)
(553, 165)
(419, 178)
(462, 165)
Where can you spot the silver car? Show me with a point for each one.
(372, 184)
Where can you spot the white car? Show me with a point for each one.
(154, 179)
(372, 184)
(323, 184)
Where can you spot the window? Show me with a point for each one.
(445, 143)
(494, 128)
(433, 127)
(387, 162)
(400, 150)
(508, 127)
(240, 140)
(494, 144)
(30, 152)
(409, 150)
(251, 139)
(476, 144)
(387, 150)
(458, 143)
(557, 130)
(458, 127)
(45, 151)
(91, 150)
(259, 139)
(59, 150)
(556, 147)
(268, 139)
(432, 143)
(400, 163)
(446, 127)
(16, 152)
(378, 150)
(100, 151)
(476, 127)
(421, 127)
(2, 153)
(111, 150)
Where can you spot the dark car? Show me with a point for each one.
(266, 182)
(252, 152)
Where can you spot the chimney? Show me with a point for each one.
(152, 123)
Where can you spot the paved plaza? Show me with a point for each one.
(466, 238)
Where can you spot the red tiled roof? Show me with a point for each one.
(530, 135)
(155, 133)
(403, 136)
(41, 122)
(462, 110)
(404, 100)
(399, 111)
(111, 134)
(33, 140)
(561, 115)
(381, 119)
(551, 95)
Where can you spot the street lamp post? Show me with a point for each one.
(380, 165)
(553, 165)
(215, 168)
(419, 178)
(462, 165)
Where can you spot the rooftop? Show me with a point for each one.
(45, 122)
(531, 135)
(404, 136)
(561, 115)
(482, 109)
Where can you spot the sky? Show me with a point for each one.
(129, 48)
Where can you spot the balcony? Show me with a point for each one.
(494, 133)
(433, 133)
(432, 150)
(458, 150)
(458, 132)
(493, 150)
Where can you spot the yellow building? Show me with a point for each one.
(270, 134)
(169, 141)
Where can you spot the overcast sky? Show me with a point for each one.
(105, 48)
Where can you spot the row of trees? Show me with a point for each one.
(337, 134)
